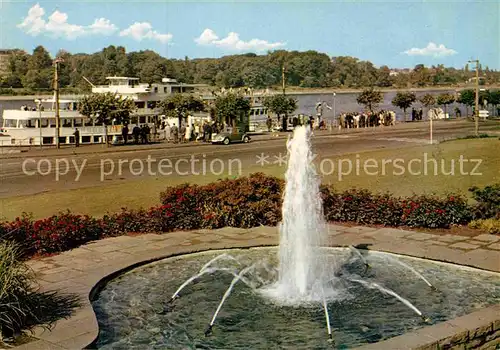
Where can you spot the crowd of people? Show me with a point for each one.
(144, 134)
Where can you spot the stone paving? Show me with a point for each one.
(80, 270)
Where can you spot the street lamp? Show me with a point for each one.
(56, 89)
(334, 115)
(39, 104)
(476, 112)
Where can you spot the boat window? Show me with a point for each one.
(78, 122)
(140, 104)
(165, 90)
(89, 122)
(45, 123)
(10, 123)
(142, 119)
(27, 123)
(66, 123)
(52, 123)
(133, 120)
(151, 104)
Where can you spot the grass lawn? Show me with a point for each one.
(145, 193)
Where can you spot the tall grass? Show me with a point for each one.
(22, 306)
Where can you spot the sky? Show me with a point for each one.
(399, 34)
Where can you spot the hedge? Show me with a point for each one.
(245, 202)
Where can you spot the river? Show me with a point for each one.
(344, 102)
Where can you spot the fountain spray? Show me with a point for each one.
(418, 274)
(303, 230)
(226, 295)
(373, 285)
(355, 251)
(327, 316)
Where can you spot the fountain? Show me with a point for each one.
(302, 268)
(286, 295)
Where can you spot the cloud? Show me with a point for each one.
(431, 50)
(34, 24)
(233, 42)
(58, 26)
(207, 37)
(102, 26)
(144, 30)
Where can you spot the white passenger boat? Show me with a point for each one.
(36, 124)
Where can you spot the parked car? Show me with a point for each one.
(226, 138)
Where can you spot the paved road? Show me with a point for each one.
(34, 174)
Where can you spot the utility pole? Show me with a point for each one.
(56, 89)
(39, 103)
(283, 77)
(476, 111)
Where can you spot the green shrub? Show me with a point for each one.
(244, 202)
(21, 305)
(16, 279)
(489, 225)
(488, 201)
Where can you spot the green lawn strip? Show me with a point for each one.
(145, 193)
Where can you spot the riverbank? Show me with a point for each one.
(292, 90)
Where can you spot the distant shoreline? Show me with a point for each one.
(290, 90)
(296, 90)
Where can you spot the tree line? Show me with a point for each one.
(371, 98)
(310, 69)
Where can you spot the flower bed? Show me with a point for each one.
(245, 202)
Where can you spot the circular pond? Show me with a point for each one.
(369, 304)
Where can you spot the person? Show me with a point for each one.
(209, 132)
(182, 133)
(154, 132)
(125, 134)
(168, 131)
(147, 132)
(192, 135)
(197, 131)
(175, 133)
(269, 124)
(136, 131)
(77, 137)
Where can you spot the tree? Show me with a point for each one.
(370, 98)
(106, 108)
(40, 59)
(445, 99)
(427, 100)
(404, 100)
(494, 100)
(384, 77)
(467, 98)
(179, 105)
(281, 105)
(231, 108)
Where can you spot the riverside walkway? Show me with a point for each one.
(80, 270)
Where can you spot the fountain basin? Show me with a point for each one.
(131, 310)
